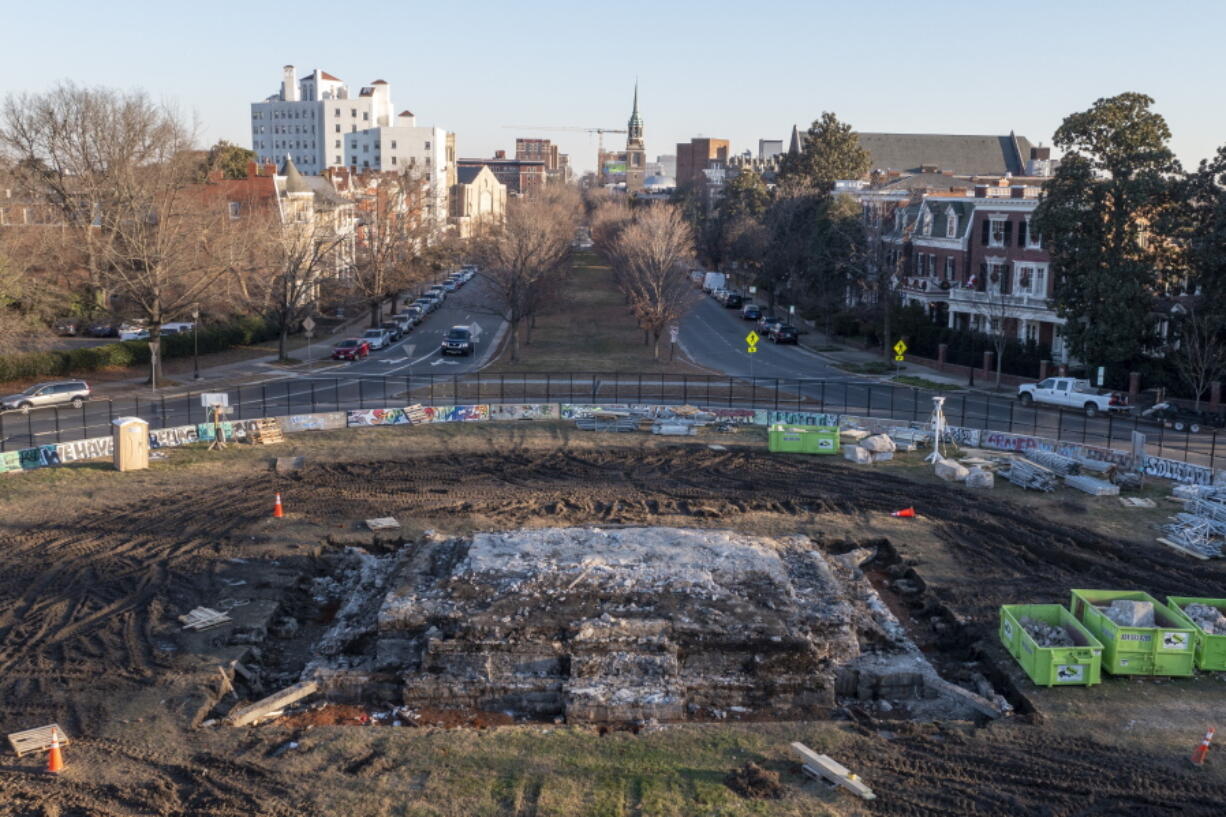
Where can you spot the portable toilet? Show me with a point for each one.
(131, 437)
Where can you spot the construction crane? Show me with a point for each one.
(600, 132)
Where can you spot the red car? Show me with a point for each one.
(351, 349)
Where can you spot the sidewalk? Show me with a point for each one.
(847, 355)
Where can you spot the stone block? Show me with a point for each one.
(857, 454)
(951, 471)
(980, 478)
(878, 443)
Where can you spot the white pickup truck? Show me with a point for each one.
(1070, 392)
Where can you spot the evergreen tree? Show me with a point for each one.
(1097, 218)
(831, 152)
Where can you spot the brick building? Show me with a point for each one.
(695, 156)
(522, 177)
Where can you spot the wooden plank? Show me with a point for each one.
(1185, 551)
(36, 740)
(825, 767)
(977, 702)
(266, 706)
(203, 618)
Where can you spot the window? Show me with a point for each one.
(353, 112)
(393, 160)
(338, 143)
(366, 148)
(951, 223)
(1034, 241)
(236, 209)
(998, 232)
(951, 269)
(338, 160)
(927, 222)
(338, 112)
(1032, 280)
(338, 128)
(353, 160)
(365, 116)
(393, 144)
(427, 144)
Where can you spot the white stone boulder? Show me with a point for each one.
(951, 471)
(878, 444)
(980, 478)
(857, 454)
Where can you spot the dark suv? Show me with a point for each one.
(734, 300)
(784, 333)
(458, 341)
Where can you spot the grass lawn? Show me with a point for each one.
(924, 383)
(589, 329)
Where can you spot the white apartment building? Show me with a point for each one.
(316, 122)
(403, 146)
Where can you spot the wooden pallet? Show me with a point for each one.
(203, 618)
(36, 740)
(265, 432)
(416, 414)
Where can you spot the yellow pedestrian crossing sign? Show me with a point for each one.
(900, 348)
(752, 338)
(753, 349)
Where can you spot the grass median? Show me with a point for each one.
(589, 328)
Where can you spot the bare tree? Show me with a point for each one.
(994, 312)
(523, 260)
(1200, 358)
(393, 235)
(653, 251)
(118, 168)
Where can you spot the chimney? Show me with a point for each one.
(981, 191)
(1040, 153)
(500, 154)
(253, 169)
(289, 84)
(270, 169)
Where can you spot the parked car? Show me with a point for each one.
(376, 338)
(437, 290)
(69, 327)
(733, 300)
(1182, 418)
(768, 322)
(132, 331)
(451, 285)
(458, 341)
(406, 322)
(784, 333)
(177, 328)
(1071, 393)
(351, 349)
(414, 313)
(427, 304)
(102, 329)
(40, 395)
(394, 330)
(751, 312)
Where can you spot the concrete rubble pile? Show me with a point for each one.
(1045, 635)
(980, 478)
(1127, 613)
(1207, 617)
(951, 471)
(610, 625)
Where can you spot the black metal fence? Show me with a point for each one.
(997, 413)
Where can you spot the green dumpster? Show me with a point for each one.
(1165, 649)
(1210, 649)
(804, 439)
(1079, 665)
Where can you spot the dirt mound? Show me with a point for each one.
(753, 782)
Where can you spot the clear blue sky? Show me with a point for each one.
(740, 71)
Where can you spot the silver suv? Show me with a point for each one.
(41, 395)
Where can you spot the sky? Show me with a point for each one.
(739, 71)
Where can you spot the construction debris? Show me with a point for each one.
(1092, 486)
(1207, 617)
(1199, 530)
(203, 618)
(678, 428)
(1031, 475)
(1058, 463)
(609, 422)
(826, 768)
(383, 523)
(979, 477)
(1045, 635)
(857, 454)
(1129, 613)
(878, 444)
(37, 739)
(1137, 502)
(952, 471)
(273, 703)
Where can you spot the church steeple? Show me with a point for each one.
(636, 148)
(635, 125)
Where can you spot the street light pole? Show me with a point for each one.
(196, 341)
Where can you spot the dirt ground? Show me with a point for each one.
(97, 565)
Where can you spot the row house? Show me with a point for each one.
(976, 263)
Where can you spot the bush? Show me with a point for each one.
(62, 363)
(923, 338)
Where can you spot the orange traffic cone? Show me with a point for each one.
(1201, 752)
(55, 760)
(905, 513)
(277, 511)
